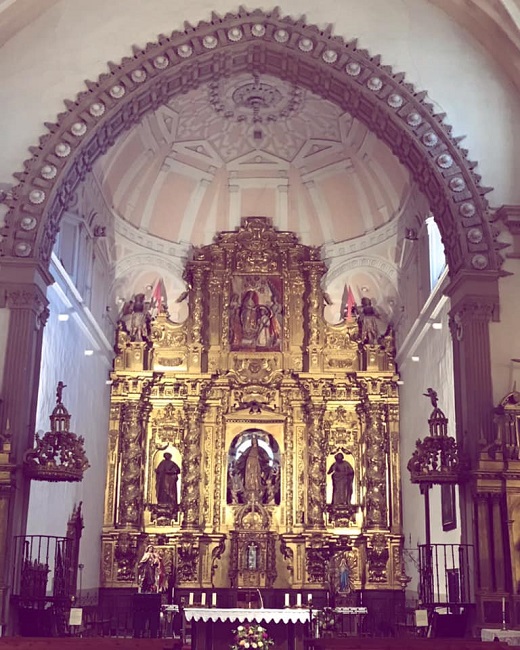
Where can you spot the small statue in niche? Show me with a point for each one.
(167, 475)
(253, 466)
(151, 576)
(252, 556)
(342, 481)
(369, 321)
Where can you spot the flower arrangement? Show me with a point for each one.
(251, 636)
(326, 620)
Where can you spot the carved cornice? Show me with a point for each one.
(309, 57)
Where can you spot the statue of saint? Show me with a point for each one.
(253, 466)
(151, 576)
(369, 321)
(342, 480)
(167, 474)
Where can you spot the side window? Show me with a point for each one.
(436, 252)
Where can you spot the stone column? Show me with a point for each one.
(316, 467)
(191, 469)
(134, 418)
(499, 526)
(25, 297)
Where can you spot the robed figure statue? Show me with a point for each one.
(342, 481)
(167, 474)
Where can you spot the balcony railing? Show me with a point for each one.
(446, 572)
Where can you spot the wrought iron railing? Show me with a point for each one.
(446, 572)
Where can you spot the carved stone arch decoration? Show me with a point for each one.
(255, 42)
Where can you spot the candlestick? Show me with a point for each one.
(309, 599)
(190, 601)
(298, 600)
(213, 599)
(503, 612)
(203, 598)
(287, 600)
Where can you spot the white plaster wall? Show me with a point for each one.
(48, 60)
(87, 400)
(4, 327)
(434, 369)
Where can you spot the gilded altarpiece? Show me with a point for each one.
(254, 444)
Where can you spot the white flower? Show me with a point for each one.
(240, 628)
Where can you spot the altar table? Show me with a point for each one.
(212, 627)
(511, 637)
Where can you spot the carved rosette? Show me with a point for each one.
(191, 469)
(134, 418)
(316, 467)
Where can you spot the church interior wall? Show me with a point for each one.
(86, 397)
(434, 368)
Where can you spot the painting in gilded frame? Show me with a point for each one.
(256, 313)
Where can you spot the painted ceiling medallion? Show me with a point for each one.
(457, 184)
(138, 76)
(185, 51)
(306, 45)
(479, 261)
(281, 36)
(161, 62)
(62, 149)
(467, 209)
(394, 100)
(22, 249)
(235, 34)
(78, 129)
(255, 101)
(117, 91)
(414, 119)
(28, 223)
(330, 56)
(353, 68)
(258, 30)
(96, 109)
(210, 42)
(48, 172)
(375, 83)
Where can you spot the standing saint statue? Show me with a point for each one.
(369, 321)
(253, 466)
(342, 480)
(167, 474)
(151, 575)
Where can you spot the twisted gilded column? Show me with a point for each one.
(134, 419)
(191, 469)
(376, 468)
(316, 505)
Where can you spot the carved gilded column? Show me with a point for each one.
(316, 467)
(314, 312)
(196, 309)
(394, 468)
(498, 542)
(191, 469)
(484, 546)
(376, 468)
(134, 418)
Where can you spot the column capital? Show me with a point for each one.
(475, 293)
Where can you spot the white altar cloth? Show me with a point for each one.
(242, 614)
(511, 637)
(350, 610)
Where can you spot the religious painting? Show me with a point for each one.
(448, 507)
(254, 469)
(256, 313)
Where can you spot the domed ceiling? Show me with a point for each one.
(256, 145)
(253, 146)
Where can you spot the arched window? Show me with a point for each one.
(436, 252)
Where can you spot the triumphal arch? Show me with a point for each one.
(255, 445)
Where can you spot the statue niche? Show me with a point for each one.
(167, 474)
(254, 469)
